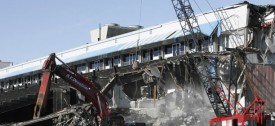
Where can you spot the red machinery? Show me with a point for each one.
(253, 115)
(76, 80)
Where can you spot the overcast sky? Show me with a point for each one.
(31, 29)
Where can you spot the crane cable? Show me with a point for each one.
(203, 14)
(137, 47)
(210, 6)
(249, 81)
(139, 22)
(205, 19)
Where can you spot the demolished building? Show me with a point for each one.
(154, 80)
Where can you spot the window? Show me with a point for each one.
(2, 84)
(117, 60)
(81, 68)
(129, 58)
(147, 55)
(29, 78)
(93, 65)
(192, 45)
(133, 58)
(182, 47)
(156, 51)
(168, 49)
(97, 65)
(126, 59)
(108, 63)
(205, 45)
(176, 49)
(101, 65)
(19, 80)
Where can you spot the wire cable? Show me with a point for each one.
(139, 22)
(210, 5)
(203, 14)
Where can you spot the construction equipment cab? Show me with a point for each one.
(85, 86)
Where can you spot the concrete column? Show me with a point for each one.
(162, 54)
(155, 95)
(139, 56)
(87, 67)
(215, 44)
(186, 74)
(186, 47)
(246, 29)
(121, 60)
(245, 36)
(60, 98)
(1, 87)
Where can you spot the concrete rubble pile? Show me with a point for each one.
(182, 107)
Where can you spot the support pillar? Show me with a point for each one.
(186, 47)
(61, 98)
(215, 44)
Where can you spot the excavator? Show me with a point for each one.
(98, 108)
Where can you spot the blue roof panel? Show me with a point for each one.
(206, 29)
(118, 47)
(22, 71)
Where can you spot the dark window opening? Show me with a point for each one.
(116, 60)
(156, 51)
(147, 55)
(168, 49)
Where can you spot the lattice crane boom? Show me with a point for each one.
(187, 20)
(189, 25)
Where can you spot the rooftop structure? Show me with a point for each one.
(111, 30)
(5, 64)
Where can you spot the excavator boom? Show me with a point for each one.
(77, 81)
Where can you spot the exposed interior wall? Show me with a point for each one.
(260, 79)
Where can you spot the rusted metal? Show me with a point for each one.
(261, 79)
(44, 87)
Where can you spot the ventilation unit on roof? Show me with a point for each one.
(111, 24)
(111, 30)
(136, 26)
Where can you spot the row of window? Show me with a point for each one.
(146, 55)
(129, 58)
(20, 82)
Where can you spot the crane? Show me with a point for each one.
(189, 25)
(252, 115)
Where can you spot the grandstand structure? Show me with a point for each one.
(160, 41)
(233, 31)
